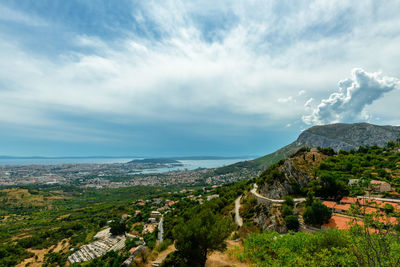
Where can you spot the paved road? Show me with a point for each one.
(381, 199)
(238, 219)
(161, 231)
(254, 192)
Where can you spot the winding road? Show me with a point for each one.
(238, 219)
(254, 192)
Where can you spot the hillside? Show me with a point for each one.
(337, 136)
(293, 174)
(290, 175)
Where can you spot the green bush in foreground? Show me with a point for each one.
(325, 248)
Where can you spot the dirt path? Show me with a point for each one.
(163, 254)
(41, 252)
(218, 259)
(238, 219)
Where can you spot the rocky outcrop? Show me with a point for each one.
(271, 220)
(291, 177)
(337, 136)
(348, 136)
(293, 173)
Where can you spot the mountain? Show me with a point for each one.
(337, 136)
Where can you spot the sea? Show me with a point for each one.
(188, 164)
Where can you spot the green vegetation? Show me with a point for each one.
(271, 174)
(118, 227)
(203, 233)
(199, 229)
(41, 217)
(365, 164)
(332, 172)
(11, 254)
(326, 248)
(317, 214)
(292, 222)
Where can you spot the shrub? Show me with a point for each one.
(317, 214)
(289, 201)
(286, 211)
(292, 223)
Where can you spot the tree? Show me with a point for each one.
(391, 144)
(292, 223)
(203, 233)
(332, 186)
(289, 201)
(388, 208)
(317, 214)
(286, 211)
(310, 198)
(117, 228)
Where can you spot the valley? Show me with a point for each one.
(214, 217)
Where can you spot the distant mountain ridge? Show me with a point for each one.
(337, 136)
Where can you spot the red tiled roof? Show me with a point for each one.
(329, 204)
(369, 210)
(342, 206)
(349, 200)
(342, 223)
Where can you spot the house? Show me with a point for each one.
(380, 186)
(329, 204)
(155, 214)
(157, 201)
(124, 217)
(338, 208)
(338, 222)
(353, 181)
(212, 196)
(140, 202)
(152, 220)
(343, 223)
(348, 200)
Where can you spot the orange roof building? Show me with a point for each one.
(349, 200)
(341, 222)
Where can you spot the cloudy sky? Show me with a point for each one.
(164, 78)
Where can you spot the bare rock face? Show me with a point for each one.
(272, 220)
(291, 177)
(348, 136)
(294, 172)
(337, 136)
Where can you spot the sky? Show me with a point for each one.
(184, 78)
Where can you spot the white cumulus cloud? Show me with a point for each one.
(353, 95)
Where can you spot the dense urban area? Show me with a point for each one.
(114, 175)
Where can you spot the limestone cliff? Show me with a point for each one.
(289, 175)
